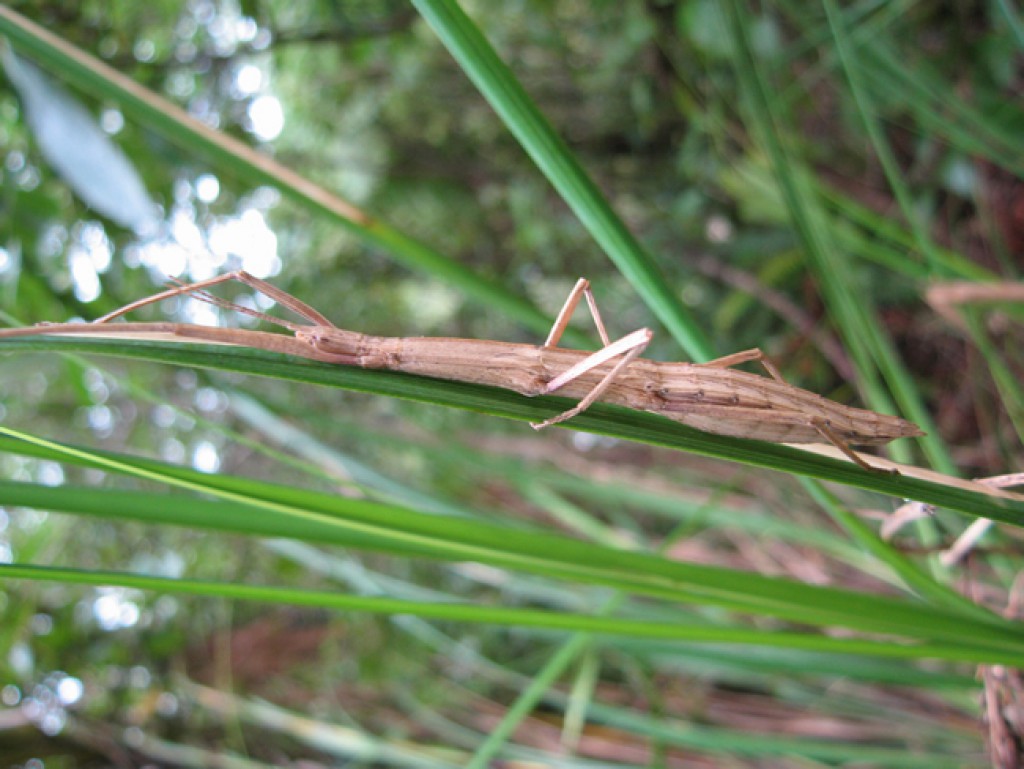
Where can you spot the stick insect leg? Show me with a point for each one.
(281, 297)
(581, 289)
(821, 425)
(830, 435)
(205, 296)
(736, 358)
(629, 346)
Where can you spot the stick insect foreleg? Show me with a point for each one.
(281, 297)
(581, 289)
(226, 304)
(629, 346)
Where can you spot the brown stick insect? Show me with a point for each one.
(711, 396)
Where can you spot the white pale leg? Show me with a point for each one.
(630, 347)
(638, 340)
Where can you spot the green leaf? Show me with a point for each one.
(549, 151)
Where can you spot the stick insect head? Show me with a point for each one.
(337, 345)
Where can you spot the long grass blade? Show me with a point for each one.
(394, 529)
(504, 616)
(868, 344)
(601, 419)
(553, 157)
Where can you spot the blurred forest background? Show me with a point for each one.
(826, 183)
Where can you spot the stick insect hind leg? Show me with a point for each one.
(629, 347)
(818, 423)
(825, 431)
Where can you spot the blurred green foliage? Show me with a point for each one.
(654, 103)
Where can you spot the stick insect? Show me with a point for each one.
(711, 396)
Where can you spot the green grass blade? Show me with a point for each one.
(601, 419)
(914, 578)
(690, 736)
(295, 512)
(880, 146)
(1013, 21)
(863, 335)
(939, 110)
(896, 243)
(527, 701)
(549, 151)
(505, 616)
(921, 238)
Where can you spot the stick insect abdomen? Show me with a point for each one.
(744, 405)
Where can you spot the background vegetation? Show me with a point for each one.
(233, 556)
